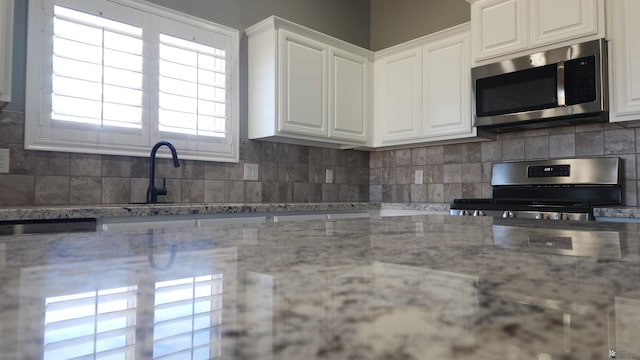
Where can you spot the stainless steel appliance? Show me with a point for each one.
(552, 88)
(559, 189)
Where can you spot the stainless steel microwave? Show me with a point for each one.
(558, 87)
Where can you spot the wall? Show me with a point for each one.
(287, 173)
(464, 170)
(397, 21)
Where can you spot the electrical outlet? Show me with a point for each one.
(4, 161)
(329, 176)
(419, 175)
(251, 172)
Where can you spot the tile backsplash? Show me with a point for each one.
(286, 173)
(464, 170)
(294, 173)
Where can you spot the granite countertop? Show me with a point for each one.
(129, 210)
(413, 287)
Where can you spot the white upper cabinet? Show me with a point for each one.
(553, 21)
(303, 85)
(398, 97)
(498, 27)
(624, 53)
(307, 87)
(446, 86)
(6, 44)
(503, 27)
(350, 88)
(423, 90)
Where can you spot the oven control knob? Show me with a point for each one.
(464, 213)
(508, 214)
(478, 213)
(541, 216)
(564, 216)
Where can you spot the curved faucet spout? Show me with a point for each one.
(152, 191)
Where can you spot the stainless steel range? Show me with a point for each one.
(559, 189)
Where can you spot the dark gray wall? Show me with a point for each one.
(346, 20)
(397, 21)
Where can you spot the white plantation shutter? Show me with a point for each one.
(188, 318)
(91, 325)
(97, 70)
(116, 76)
(192, 88)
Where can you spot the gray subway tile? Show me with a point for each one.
(17, 190)
(234, 191)
(452, 173)
(253, 151)
(375, 193)
(52, 190)
(491, 150)
(562, 145)
(22, 162)
(419, 193)
(52, 163)
(619, 141)
(214, 191)
(192, 169)
(116, 190)
(590, 143)
(86, 165)
(138, 190)
(435, 155)
(419, 156)
(471, 152)
(513, 148)
(402, 157)
(452, 154)
(85, 190)
(192, 191)
(471, 173)
(235, 171)
(252, 192)
(536, 147)
(215, 171)
(116, 166)
(435, 193)
(301, 192)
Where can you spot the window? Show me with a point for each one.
(116, 76)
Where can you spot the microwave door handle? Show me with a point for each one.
(560, 85)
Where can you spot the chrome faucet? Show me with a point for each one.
(152, 192)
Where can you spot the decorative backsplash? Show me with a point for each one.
(294, 173)
(286, 173)
(464, 170)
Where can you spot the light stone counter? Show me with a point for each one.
(127, 210)
(412, 287)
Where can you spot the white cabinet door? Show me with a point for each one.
(348, 103)
(6, 43)
(553, 21)
(303, 89)
(625, 60)
(399, 96)
(499, 27)
(447, 87)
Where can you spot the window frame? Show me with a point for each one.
(41, 135)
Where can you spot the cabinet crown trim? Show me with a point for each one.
(436, 36)
(275, 22)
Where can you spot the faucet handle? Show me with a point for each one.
(162, 191)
